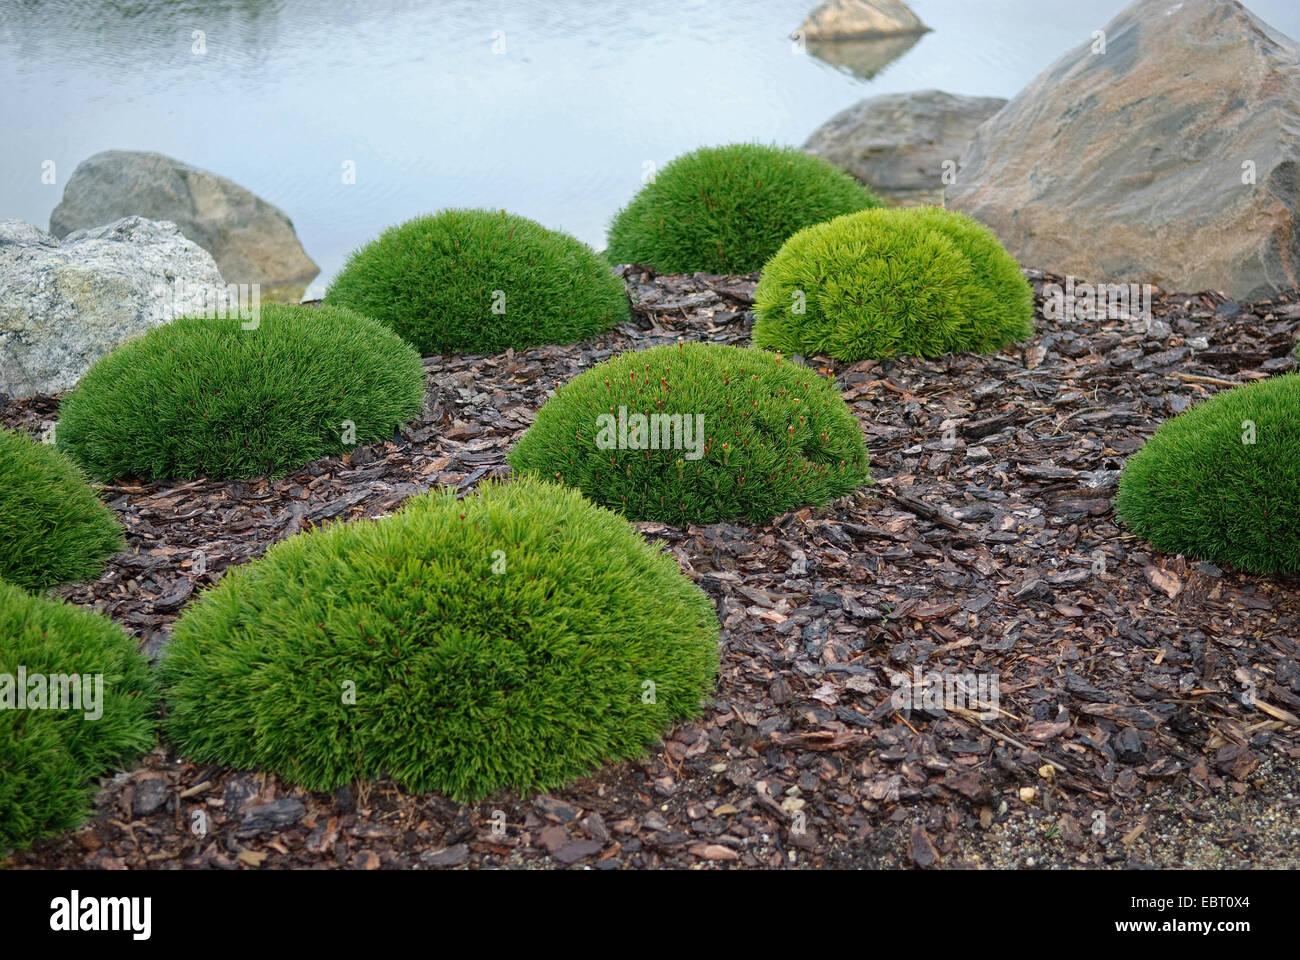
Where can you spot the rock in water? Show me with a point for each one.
(64, 305)
(1163, 150)
(252, 241)
(898, 143)
(856, 19)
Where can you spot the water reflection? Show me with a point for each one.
(863, 58)
(125, 32)
(557, 124)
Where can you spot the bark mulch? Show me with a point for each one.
(1140, 693)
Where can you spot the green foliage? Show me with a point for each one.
(205, 397)
(50, 757)
(479, 281)
(53, 529)
(874, 284)
(1202, 488)
(774, 436)
(728, 209)
(507, 640)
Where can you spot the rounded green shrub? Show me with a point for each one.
(480, 281)
(53, 529)
(698, 433)
(1221, 481)
(202, 396)
(874, 284)
(728, 209)
(514, 639)
(95, 711)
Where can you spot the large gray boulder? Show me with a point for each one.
(899, 143)
(252, 241)
(64, 305)
(1164, 151)
(858, 19)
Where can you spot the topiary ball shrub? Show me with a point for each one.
(53, 529)
(1221, 481)
(515, 639)
(481, 281)
(698, 433)
(77, 700)
(728, 209)
(883, 282)
(203, 397)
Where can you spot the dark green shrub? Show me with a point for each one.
(479, 281)
(1221, 481)
(49, 757)
(514, 639)
(882, 282)
(728, 209)
(53, 529)
(202, 396)
(775, 435)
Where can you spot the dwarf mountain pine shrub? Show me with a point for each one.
(480, 281)
(76, 700)
(53, 528)
(517, 639)
(202, 396)
(874, 284)
(698, 433)
(728, 209)
(1221, 481)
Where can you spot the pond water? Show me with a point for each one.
(549, 108)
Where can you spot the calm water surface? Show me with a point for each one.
(549, 108)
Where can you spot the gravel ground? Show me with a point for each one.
(987, 548)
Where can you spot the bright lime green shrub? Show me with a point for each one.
(205, 397)
(515, 639)
(1221, 481)
(883, 282)
(728, 209)
(51, 754)
(53, 529)
(479, 281)
(753, 436)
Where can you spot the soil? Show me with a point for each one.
(1148, 704)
